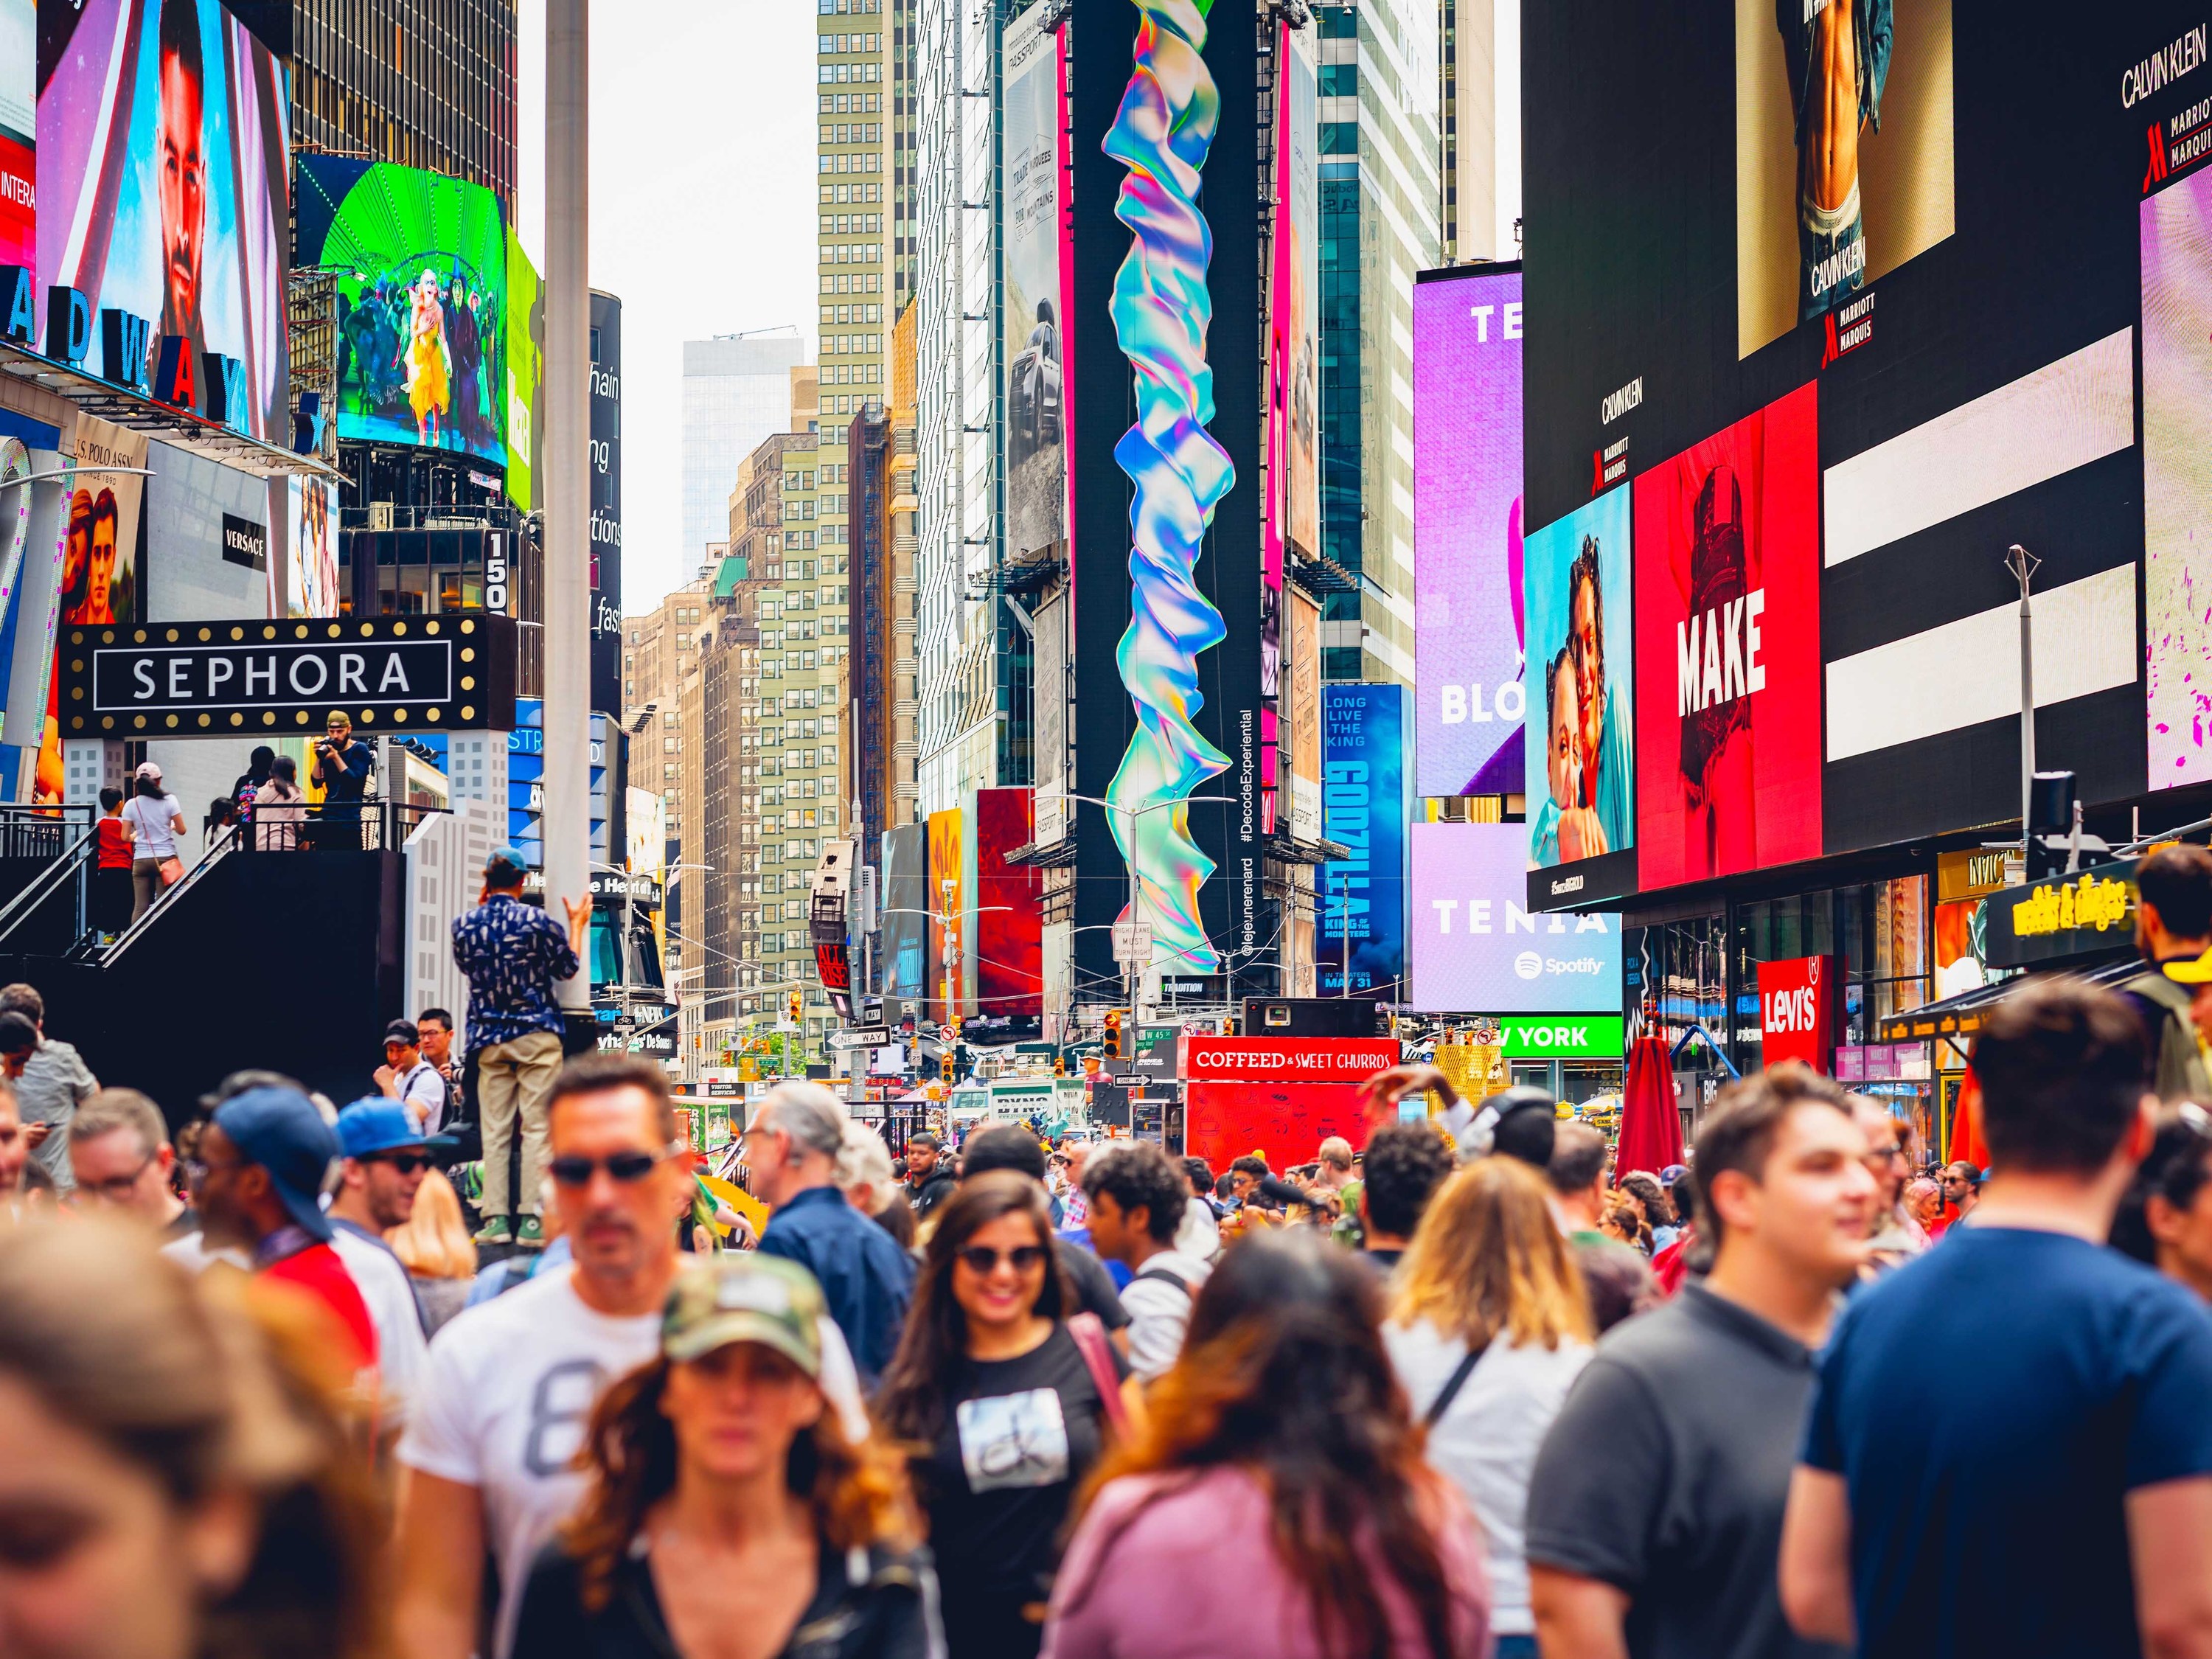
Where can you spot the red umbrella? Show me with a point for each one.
(1650, 1124)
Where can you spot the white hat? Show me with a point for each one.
(149, 770)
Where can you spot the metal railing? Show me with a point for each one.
(368, 826)
(57, 842)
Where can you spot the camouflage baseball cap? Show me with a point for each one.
(743, 1296)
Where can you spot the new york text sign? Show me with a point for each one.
(214, 678)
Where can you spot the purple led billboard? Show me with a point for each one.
(1467, 655)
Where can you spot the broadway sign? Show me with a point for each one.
(213, 678)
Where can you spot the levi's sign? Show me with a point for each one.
(1287, 1059)
(213, 678)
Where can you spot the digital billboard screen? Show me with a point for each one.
(1844, 153)
(162, 151)
(2176, 228)
(905, 912)
(1034, 309)
(1580, 780)
(525, 364)
(1478, 947)
(420, 261)
(1009, 948)
(1728, 651)
(1467, 633)
(1360, 901)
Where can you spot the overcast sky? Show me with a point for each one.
(702, 212)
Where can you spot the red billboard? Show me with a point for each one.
(1009, 909)
(1284, 1122)
(1728, 651)
(1796, 1012)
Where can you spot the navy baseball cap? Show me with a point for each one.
(505, 862)
(279, 1129)
(377, 1125)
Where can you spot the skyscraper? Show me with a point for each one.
(736, 391)
(1381, 209)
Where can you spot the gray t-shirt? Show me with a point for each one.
(1666, 1473)
(54, 1080)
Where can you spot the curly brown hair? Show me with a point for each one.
(859, 1492)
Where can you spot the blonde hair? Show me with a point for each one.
(1488, 1262)
(432, 1243)
(1336, 1152)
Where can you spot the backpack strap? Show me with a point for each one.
(1091, 1342)
(1163, 1276)
(1454, 1383)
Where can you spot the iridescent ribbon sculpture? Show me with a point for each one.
(1161, 313)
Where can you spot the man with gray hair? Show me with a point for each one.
(791, 1149)
(120, 1147)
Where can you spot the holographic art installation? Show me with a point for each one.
(1161, 312)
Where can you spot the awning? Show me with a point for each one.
(1962, 1015)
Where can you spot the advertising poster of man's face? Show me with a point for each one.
(1581, 781)
(1844, 152)
(1728, 568)
(182, 162)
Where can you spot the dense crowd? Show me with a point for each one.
(1465, 1389)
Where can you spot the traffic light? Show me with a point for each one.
(1113, 1048)
(944, 1067)
(1059, 1066)
(798, 1006)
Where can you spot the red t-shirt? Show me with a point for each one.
(318, 1271)
(114, 844)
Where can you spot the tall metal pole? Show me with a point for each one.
(566, 823)
(2023, 564)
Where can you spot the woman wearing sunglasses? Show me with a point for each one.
(2166, 1219)
(735, 1487)
(1007, 1402)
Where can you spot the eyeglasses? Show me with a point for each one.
(571, 1171)
(408, 1164)
(979, 1259)
(119, 1187)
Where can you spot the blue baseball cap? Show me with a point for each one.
(279, 1129)
(376, 1124)
(505, 862)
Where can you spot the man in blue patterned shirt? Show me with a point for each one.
(512, 953)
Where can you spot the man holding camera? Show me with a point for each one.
(342, 767)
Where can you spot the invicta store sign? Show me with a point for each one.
(451, 672)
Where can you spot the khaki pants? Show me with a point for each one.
(513, 1080)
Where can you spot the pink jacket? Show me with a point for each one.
(1196, 1576)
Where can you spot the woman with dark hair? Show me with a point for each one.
(177, 1479)
(1007, 1400)
(2166, 1219)
(1280, 1464)
(156, 818)
(735, 1487)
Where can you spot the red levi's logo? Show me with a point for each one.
(1796, 1003)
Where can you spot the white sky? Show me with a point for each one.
(702, 212)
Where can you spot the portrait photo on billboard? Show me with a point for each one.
(421, 278)
(1034, 308)
(1477, 947)
(1728, 651)
(1580, 779)
(162, 179)
(2176, 227)
(1843, 141)
(1468, 640)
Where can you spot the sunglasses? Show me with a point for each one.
(981, 1259)
(406, 1164)
(571, 1171)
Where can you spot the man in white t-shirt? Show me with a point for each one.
(1136, 1195)
(502, 1405)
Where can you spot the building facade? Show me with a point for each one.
(1381, 212)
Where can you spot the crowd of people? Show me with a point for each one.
(1466, 1389)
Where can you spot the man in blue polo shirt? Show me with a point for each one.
(791, 1148)
(2009, 1451)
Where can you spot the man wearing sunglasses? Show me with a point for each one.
(511, 1383)
(791, 1148)
(385, 1158)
